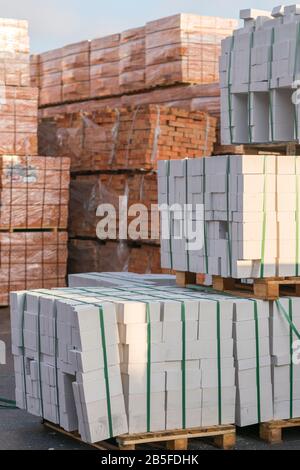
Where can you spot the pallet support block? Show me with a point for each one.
(271, 432)
(183, 279)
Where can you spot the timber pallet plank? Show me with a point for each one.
(271, 431)
(223, 436)
(263, 289)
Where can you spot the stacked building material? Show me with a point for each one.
(134, 139)
(84, 380)
(127, 138)
(246, 211)
(104, 66)
(181, 49)
(34, 190)
(184, 49)
(88, 192)
(132, 60)
(259, 72)
(49, 77)
(32, 260)
(14, 46)
(76, 71)
(19, 120)
(285, 325)
(253, 362)
(121, 279)
(94, 255)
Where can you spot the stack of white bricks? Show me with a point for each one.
(259, 75)
(252, 362)
(66, 361)
(108, 361)
(285, 358)
(243, 211)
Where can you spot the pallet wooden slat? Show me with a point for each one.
(271, 432)
(224, 437)
(265, 289)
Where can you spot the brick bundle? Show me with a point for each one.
(182, 48)
(96, 256)
(34, 190)
(88, 192)
(31, 260)
(76, 71)
(14, 47)
(127, 138)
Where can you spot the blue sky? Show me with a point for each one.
(54, 23)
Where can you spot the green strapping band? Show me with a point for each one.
(56, 368)
(287, 317)
(228, 215)
(183, 365)
(269, 84)
(204, 221)
(297, 264)
(229, 89)
(291, 364)
(106, 376)
(257, 362)
(219, 362)
(169, 214)
(249, 93)
(5, 403)
(264, 226)
(23, 351)
(39, 358)
(148, 316)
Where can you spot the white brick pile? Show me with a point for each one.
(259, 74)
(244, 210)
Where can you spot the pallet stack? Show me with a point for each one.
(33, 189)
(114, 153)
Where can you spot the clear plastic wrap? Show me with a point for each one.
(34, 192)
(31, 260)
(95, 256)
(88, 192)
(127, 138)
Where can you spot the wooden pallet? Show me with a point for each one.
(271, 432)
(265, 289)
(224, 437)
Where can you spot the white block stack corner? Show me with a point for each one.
(243, 211)
(252, 362)
(259, 76)
(285, 348)
(67, 362)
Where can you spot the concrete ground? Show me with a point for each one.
(21, 431)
